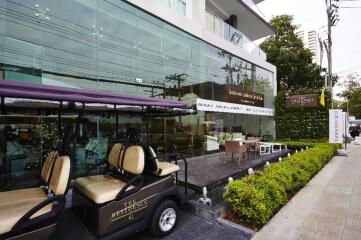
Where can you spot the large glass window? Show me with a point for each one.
(113, 46)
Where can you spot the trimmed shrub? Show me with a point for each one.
(255, 199)
(248, 202)
(297, 144)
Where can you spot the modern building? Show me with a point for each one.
(310, 40)
(197, 51)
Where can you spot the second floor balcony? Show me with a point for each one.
(229, 33)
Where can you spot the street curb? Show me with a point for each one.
(197, 209)
(245, 231)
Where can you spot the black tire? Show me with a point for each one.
(167, 206)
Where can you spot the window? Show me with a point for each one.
(177, 5)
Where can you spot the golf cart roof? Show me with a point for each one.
(20, 94)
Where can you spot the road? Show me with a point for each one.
(196, 228)
(189, 227)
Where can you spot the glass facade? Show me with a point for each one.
(112, 46)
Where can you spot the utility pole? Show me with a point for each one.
(332, 7)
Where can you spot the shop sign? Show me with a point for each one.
(237, 95)
(216, 106)
(336, 126)
(306, 100)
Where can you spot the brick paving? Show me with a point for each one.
(327, 208)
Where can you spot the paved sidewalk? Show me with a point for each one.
(327, 208)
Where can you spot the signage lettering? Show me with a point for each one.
(216, 106)
(336, 126)
(130, 208)
(307, 100)
(237, 95)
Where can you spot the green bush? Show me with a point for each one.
(255, 199)
(298, 144)
(301, 122)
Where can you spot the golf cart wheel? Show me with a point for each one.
(164, 219)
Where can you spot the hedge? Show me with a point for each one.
(299, 144)
(301, 122)
(255, 199)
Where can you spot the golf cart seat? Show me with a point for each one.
(48, 166)
(24, 208)
(44, 176)
(163, 168)
(106, 187)
(32, 193)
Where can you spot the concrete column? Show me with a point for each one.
(199, 11)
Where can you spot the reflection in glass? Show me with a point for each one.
(112, 46)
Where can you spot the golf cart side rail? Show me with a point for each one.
(124, 192)
(173, 157)
(26, 219)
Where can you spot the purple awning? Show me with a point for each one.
(16, 89)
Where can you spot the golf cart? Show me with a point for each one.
(134, 192)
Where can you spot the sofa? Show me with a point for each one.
(223, 137)
(212, 143)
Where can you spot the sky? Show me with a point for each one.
(312, 14)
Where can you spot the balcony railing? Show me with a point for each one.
(229, 33)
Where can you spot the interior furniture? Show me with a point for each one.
(211, 143)
(223, 137)
(235, 147)
(265, 149)
(253, 145)
(267, 138)
(276, 147)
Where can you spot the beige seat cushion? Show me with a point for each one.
(115, 155)
(133, 161)
(15, 204)
(16, 195)
(60, 176)
(100, 188)
(166, 168)
(48, 165)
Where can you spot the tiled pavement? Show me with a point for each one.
(210, 170)
(328, 208)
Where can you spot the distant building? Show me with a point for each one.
(310, 40)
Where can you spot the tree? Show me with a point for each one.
(352, 94)
(293, 61)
